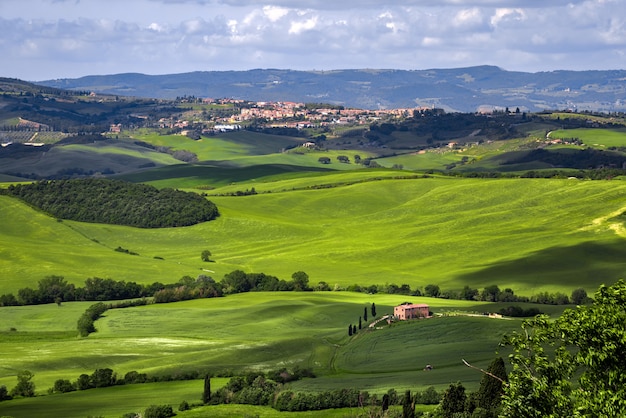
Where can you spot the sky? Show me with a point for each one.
(50, 39)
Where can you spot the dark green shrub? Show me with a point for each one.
(159, 411)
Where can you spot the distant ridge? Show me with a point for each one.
(460, 89)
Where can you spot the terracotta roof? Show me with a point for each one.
(415, 305)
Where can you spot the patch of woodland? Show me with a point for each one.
(116, 202)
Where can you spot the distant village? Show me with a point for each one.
(222, 115)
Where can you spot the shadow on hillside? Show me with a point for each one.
(587, 265)
(220, 173)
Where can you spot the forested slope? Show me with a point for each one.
(116, 202)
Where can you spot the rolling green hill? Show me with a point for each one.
(416, 231)
(241, 332)
(341, 223)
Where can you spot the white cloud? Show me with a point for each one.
(274, 13)
(155, 27)
(300, 26)
(506, 15)
(468, 17)
(47, 39)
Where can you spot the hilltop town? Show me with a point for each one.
(207, 116)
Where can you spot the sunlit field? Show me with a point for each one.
(253, 331)
(528, 234)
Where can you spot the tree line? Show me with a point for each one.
(258, 388)
(115, 202)
(491, 293)
(55, 289)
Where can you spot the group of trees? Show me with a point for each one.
(25, 387)
(116, 202)
(100, 378)
(55, 289)
(238, 282)
(189, 288)
(352, 329)
(258, 388)
(491, 293)
(344, 159)
(484, 403)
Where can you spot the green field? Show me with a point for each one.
(340, 224)
(219, 148)
(254, 331)
(115, 401)
(528, 234)
(594, 137)
(258, 330)
(106, 402)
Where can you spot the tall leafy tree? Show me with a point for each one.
(25, 386)
(373, 310)
(579, 296)
(365, 313)
(587, 343)
(432, 290)
(101, 378)
(4, 394)
(300, 280)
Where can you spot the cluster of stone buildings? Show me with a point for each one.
(281, 115)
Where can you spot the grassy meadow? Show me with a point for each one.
(339, 224)
(527, 234)
(241, 332)
(107, 402)
(594, 137)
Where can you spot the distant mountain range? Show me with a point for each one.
(461, 89)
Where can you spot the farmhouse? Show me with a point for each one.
(410, 311)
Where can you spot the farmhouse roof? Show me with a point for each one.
(414, 305)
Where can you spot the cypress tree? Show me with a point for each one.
(350, 330)
(206, 394)
(365, 314)
(385, 405)
(373, 310)
(491, 389)
(408, 405)
(354, 329)
(360, 322)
